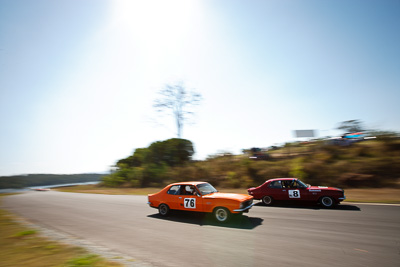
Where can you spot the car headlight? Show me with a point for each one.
(246, 203)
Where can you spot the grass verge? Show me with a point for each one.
(21, 246)
(367, 195)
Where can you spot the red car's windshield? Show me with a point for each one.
(301, 184)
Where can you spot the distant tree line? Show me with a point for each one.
(22, 181)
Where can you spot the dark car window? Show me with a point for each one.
(298, 184)
(287, 184)
(275, 184)
(188, 190)
(174, 190)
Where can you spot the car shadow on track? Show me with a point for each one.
(310, 206)
(238, 221)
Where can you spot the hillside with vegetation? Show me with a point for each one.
(367, 164)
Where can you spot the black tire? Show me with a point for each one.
(267, 200)
(163, 210)
(327, 202)
(221, 214)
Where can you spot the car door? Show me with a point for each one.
(275, 190)
(288, 191)
(296, 192)
(189, 199)
(173, 198)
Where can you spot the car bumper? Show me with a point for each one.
(151, 206)
(245, 209)
(342, 198)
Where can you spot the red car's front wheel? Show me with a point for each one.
(327, 202)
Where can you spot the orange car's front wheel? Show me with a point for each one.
(221, 214)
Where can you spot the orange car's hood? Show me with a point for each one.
(238, 197)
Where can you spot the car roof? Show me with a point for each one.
(189, 183)
(281, 179)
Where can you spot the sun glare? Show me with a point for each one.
(157, 30)
(154, 19)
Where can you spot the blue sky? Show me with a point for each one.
(78, 78)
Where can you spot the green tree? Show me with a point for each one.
(173, 152)
(178, 151)
(150, 166)
(137, 159)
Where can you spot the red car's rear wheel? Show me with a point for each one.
(267, 200)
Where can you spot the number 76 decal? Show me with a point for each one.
(189, 203)
(294, 193)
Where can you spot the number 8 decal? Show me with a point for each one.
(294, 193)
(189, 203)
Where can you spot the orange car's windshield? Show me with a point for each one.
(206, 189)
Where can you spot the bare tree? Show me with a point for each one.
(176, 99)
(351, 126)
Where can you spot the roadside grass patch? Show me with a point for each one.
(86, 260)
(367, 195)
(373, 195)
(25, 233)
(21, 246)
(96, 189)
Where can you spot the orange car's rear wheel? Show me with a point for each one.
(163, 209)
(221, 214)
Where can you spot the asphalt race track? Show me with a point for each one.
(350, 235)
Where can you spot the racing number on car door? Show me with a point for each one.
(294, 193)
(189, 203)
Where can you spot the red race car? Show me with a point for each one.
(292, 189)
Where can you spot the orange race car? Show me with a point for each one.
(200, 197)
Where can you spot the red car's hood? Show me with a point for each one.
(238, 197)
(323, 188)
